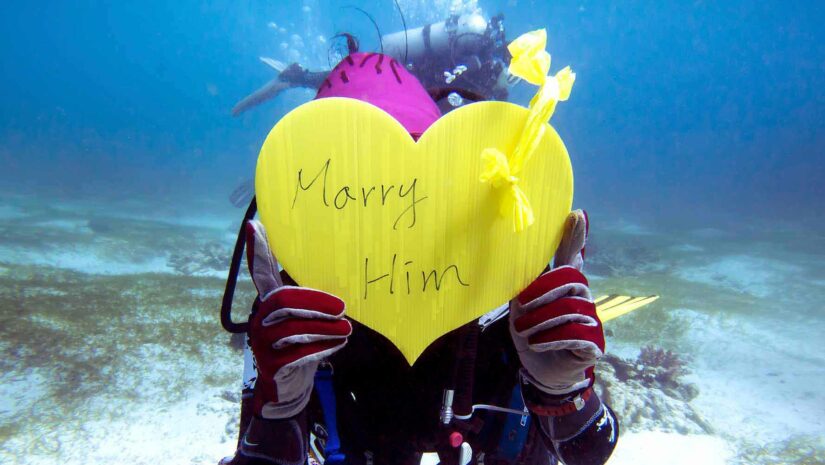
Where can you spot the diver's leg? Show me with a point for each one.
(268, 91)
(293, 75)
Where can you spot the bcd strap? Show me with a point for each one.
(326, 394)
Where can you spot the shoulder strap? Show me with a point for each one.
(326, 394)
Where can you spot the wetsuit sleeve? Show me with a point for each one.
(584, 437)
(283, 441)
(266, 441)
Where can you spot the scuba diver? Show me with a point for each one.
(464, 52)
(513, 387)
(462, 59)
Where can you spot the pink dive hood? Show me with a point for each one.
(381, 81)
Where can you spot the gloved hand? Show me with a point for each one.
(291, 331)
(553, 322)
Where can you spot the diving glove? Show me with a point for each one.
(553, 322)
(290, 332)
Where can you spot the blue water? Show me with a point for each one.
(696, 132)
(715, 105)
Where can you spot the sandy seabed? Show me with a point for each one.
(112, 351)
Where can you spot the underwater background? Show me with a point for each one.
(696, 135)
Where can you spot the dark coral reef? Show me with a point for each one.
(649, 393)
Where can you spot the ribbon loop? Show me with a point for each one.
(530, 61)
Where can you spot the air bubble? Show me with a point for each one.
(455, 99)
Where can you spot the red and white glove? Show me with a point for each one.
(291, 331)
(554, 324)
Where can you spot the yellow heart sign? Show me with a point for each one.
(403, 231)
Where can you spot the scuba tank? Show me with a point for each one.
(463, 53)
(460, 35)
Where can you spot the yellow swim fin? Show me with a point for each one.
(614, 306)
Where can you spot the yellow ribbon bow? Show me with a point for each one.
(498, 173)
(531, 62)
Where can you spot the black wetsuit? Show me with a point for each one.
(393, 410)
(388, 412)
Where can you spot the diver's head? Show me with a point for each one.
(381, 81)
